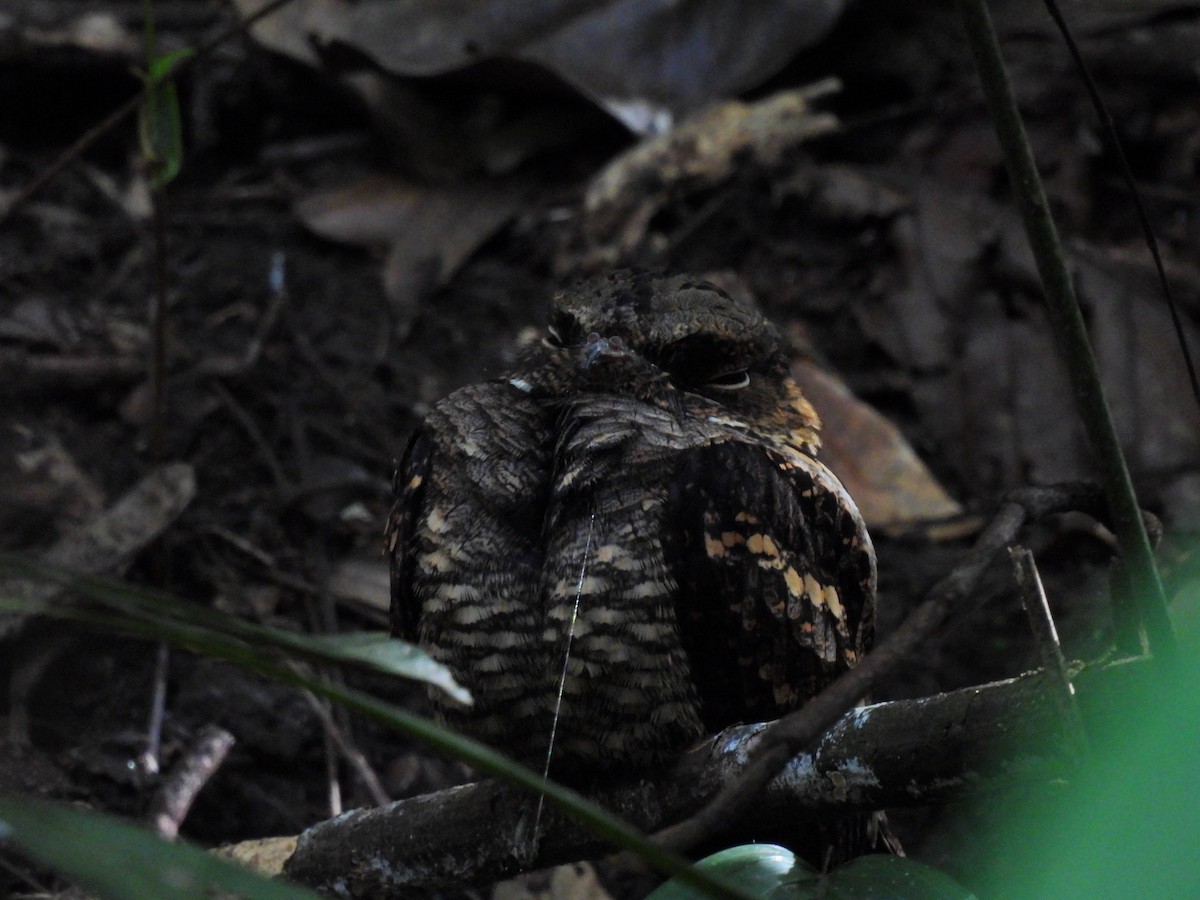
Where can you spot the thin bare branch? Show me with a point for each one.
(187, 777)
(349, 752)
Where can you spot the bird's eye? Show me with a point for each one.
(730, 381)
(552, 338)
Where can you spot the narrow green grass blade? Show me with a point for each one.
(120, 861)
(375, 651)
(160, 127)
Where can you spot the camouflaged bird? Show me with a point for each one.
(634, 516)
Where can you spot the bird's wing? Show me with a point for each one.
(776, 575)
(464, 538)
(469, 498)
(469, 501)
(409, 489)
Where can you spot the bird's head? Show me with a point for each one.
(650, 336)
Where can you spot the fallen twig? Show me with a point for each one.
(24, 371)
(113, 539)
(148, 759)
(351, 753)
(187, 777)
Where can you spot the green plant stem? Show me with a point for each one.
(129, 107)
(158, 330)
(1118, 149)
(148, 31)
(1070, 333)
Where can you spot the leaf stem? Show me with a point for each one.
(1070, 333)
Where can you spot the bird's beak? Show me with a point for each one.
(598, 347)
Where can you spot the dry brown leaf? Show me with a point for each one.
(429, 231)
(1140, 362)
(840, 193)
(940, 244)
(987, 377)
(647, 63)
(41, 484)
(378, 210)
(264, 855)
(702, 152)
(879, 468)
(575, 881)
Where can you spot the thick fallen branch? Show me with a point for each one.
(889, 754)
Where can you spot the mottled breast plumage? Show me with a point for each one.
(627, 540)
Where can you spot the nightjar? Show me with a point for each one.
(628, 539)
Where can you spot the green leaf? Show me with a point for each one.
(759, 870)
(379, 650)
(161, 66)
(118, 860)
(158, 616)
(160, 131)
(1126, 825)
(882, 877)
(765, 870)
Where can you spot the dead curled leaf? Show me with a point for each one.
(364, 580)
(986, 375)
(41, 484)
(702, 152)
(429, 231)
(264, 855)
(880, 469)
(647, 63)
